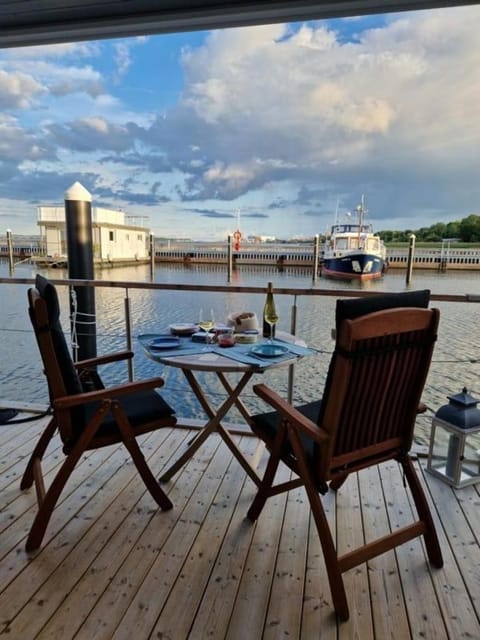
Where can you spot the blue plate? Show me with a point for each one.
(267, 350)
(164, 342)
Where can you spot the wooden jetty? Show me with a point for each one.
(280, 255)
(113, 566)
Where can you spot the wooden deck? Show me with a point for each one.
(112, 566)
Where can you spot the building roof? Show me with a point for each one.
(34, 22)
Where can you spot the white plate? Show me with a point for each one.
(164, 342)
(267, 350)
(183, 329)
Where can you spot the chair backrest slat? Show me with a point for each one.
(377, 378)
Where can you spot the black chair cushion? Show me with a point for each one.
(68, 371)
(352, 308)
(140, 408)
(265, 426)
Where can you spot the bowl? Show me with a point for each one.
(243, 321)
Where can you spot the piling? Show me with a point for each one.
(78, 219)
(152, 256)
(316, 253)
(11, 265)
(411, 255)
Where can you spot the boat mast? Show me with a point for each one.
(361, 213)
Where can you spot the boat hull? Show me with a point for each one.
(358, 266)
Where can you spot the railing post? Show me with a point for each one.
(128, 333)
(229, 258)
(291, 368)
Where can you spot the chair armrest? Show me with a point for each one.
(421, 407)
(289, 413)
(105, 359)
(66, 402)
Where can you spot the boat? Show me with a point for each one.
(353, 251)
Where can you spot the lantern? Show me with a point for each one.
(454, 453)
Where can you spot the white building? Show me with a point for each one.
(116, 239)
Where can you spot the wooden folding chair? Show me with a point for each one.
(86, 419)
(366, 416)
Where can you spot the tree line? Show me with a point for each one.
(465, 230)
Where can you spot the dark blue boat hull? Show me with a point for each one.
(358, 266)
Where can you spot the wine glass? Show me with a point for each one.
(271, 317)
(206, 323)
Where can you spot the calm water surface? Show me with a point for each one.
(456, 357)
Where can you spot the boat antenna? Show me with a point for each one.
(336, 211)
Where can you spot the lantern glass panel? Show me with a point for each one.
(470, 464)
(445, 452)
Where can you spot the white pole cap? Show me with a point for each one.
(78, 192)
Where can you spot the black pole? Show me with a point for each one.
(78, 218)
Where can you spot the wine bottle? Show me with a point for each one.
(270, 316)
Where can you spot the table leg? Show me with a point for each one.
(213, 424)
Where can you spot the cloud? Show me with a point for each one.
(90, 134)
(264, 105)
(17, 90)
(293, 117)
(122, 60)
(210, 213)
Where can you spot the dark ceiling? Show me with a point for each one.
(33, 22)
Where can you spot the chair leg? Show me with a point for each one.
(48, 503)
(48, 500)
(263, 489)
(265, 486)
(431, 539)
(334, 573)
(335, 579)
(147, 476)
(337, 482)
(37, 455)
(129, 440)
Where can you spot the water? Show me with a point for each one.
(456, 357)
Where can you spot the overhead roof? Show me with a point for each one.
(33, 22)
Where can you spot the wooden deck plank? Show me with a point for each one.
(114, 566)
(459, 542)
(68, 545)
(155, 589)
(125, 578)
(420, 596)
(218, 598)
(350, 535)
(251, 605)
(178, 615)
(120, 526)
(389, 612)
(319, 620)
(286, 598)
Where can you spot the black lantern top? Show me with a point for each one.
(461, 411)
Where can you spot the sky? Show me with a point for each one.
(271, 129)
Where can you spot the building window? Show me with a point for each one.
(111, 236)
(139, 237)
(127, 237)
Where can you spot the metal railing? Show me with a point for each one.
(296, 294)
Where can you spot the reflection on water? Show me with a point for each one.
(456, 358)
